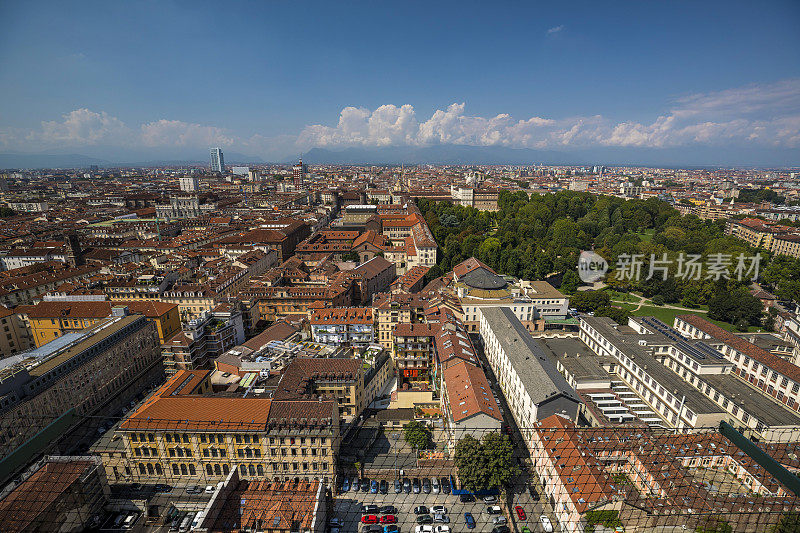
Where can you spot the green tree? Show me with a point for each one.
(587, 301)
(418, 435)
(658, 300)
(488, 463)
(351, 256)
(617, 314)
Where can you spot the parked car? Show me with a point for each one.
(526, 529)
(373, 528)
(469, 520)
(356, 484)
(494, 509)
(441, 518)
(391, 528)
(398, 486)
(547, 526)
(384, 487)
(369, 509)
(162, 487)
(424, 519)
(423, 529)
(426, 485)
(435, 486)
(441, 529)
(489, 499)
(388, 519)
(369, 519)
(521, 513)
(466, 498)
(439, 509)
(388, 509)
(499, 520)
(364, 485)
(415, 486)
(421, 509)
(335, 522)
(210, 489)
(501, 529)
(345, 485)
(407, 486)
(374, 486)
(445, 485)
(534, 494)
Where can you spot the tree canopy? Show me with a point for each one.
(486, 463)
(418, 435)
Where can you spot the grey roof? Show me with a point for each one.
(577, 358)
(529, 359)
(752, 401)
(481, 278)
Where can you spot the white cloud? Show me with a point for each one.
(767, 115)
(177, 133)
(756, 115)
(81, 127)
(555, 29)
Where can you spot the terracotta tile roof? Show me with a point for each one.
(342, 315)
(469, 392)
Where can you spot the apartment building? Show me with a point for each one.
(412, 352)
(63, 494)
(192, 299)
(47, 321)
(29, 287)
(185, 434)
(95, 371)
(203, 339)
(389, 310)
(14, 336)
(331, 379)
(343, 325)
(468, 406)
(529, 380)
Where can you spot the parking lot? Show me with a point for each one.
(348, 509)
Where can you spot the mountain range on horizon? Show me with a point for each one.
(433, 155)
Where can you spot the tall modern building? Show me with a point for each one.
(217, 160)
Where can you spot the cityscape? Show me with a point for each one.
(574, 322)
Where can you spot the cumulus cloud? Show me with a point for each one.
(756, 115)
(768, 115)
(555, 29)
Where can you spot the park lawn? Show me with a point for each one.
(647, 235)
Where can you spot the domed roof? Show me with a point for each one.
(481, 278)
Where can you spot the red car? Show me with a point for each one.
(520, 513)
(388, 519)
(369, 519)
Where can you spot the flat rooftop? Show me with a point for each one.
(754, 402)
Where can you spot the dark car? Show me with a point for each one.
(161, 487)
(389, 509)
(407, 486)
(501, 529)
(415, 486)
(426, 485)
(421, 509)
(391, 528)
(466, 498)
(384, 487)
(534, 494)
(398, 486)
(424, 519)
(445, 485)
(469, 520)
(374, 528)
(369, 509)
(373, 488)
(356, 484)
(365, 485)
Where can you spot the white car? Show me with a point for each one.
(441, 529)
(547, 526)
(423, 529)
(210, 489)
(439, 509)
(435, 486)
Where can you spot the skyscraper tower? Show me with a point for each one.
(217, 160)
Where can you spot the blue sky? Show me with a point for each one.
(271, 79)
